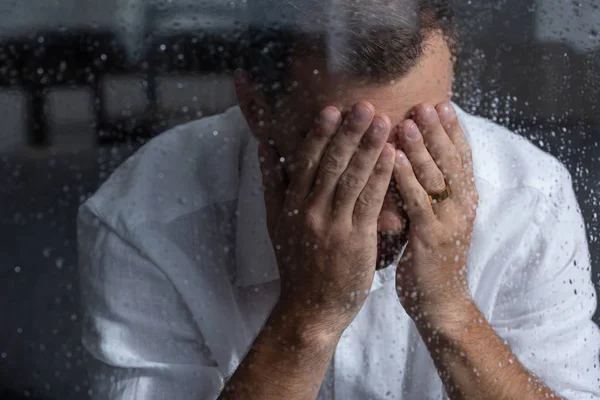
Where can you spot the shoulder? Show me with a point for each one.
(529, 224)
(187, 168)
(506, 161)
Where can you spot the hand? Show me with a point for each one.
(323, 220)
(431, 276)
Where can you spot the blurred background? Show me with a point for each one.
(83, 83)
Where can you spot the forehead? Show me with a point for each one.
(430, 81)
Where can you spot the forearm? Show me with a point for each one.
(473, 362)
(288, 360)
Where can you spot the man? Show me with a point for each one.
(402, 249)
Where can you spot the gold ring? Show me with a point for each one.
(443, 195)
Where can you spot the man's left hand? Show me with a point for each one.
(431, 276)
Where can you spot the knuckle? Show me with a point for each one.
(303, 163)
(365, 201)
(424, 167)
(331, 164)
(312, 220)
(350, 181)
(436, 182)
(455, 161)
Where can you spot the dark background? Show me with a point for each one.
(84, 83)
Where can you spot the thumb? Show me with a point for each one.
(274, 184)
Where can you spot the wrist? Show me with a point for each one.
(443, 329)
(298, 328)
(446, 317)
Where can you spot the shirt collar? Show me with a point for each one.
(256, 263)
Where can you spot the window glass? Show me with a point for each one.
(86, 84)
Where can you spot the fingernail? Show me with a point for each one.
(330, 115)
(378, 126)
(412, 131)
(401, 157)
(428, 115)
(361, 113)
(446, 113)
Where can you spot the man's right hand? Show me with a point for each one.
(322, 213)
(323, 219)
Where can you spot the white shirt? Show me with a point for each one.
(178, 273)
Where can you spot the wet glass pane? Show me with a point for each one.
(140, 260)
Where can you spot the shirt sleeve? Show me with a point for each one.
(138, 329)
(545, 307)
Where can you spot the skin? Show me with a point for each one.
(431, 82)
(326, 207)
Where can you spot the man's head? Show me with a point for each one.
(394, 54)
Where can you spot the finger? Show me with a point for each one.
(274, 183)
(368, 204)
(451, 125)
(340, 151)
(438, 143)
(355, 177)
(416, 199)
(305, 163)
(464, 190)
(423, 165)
